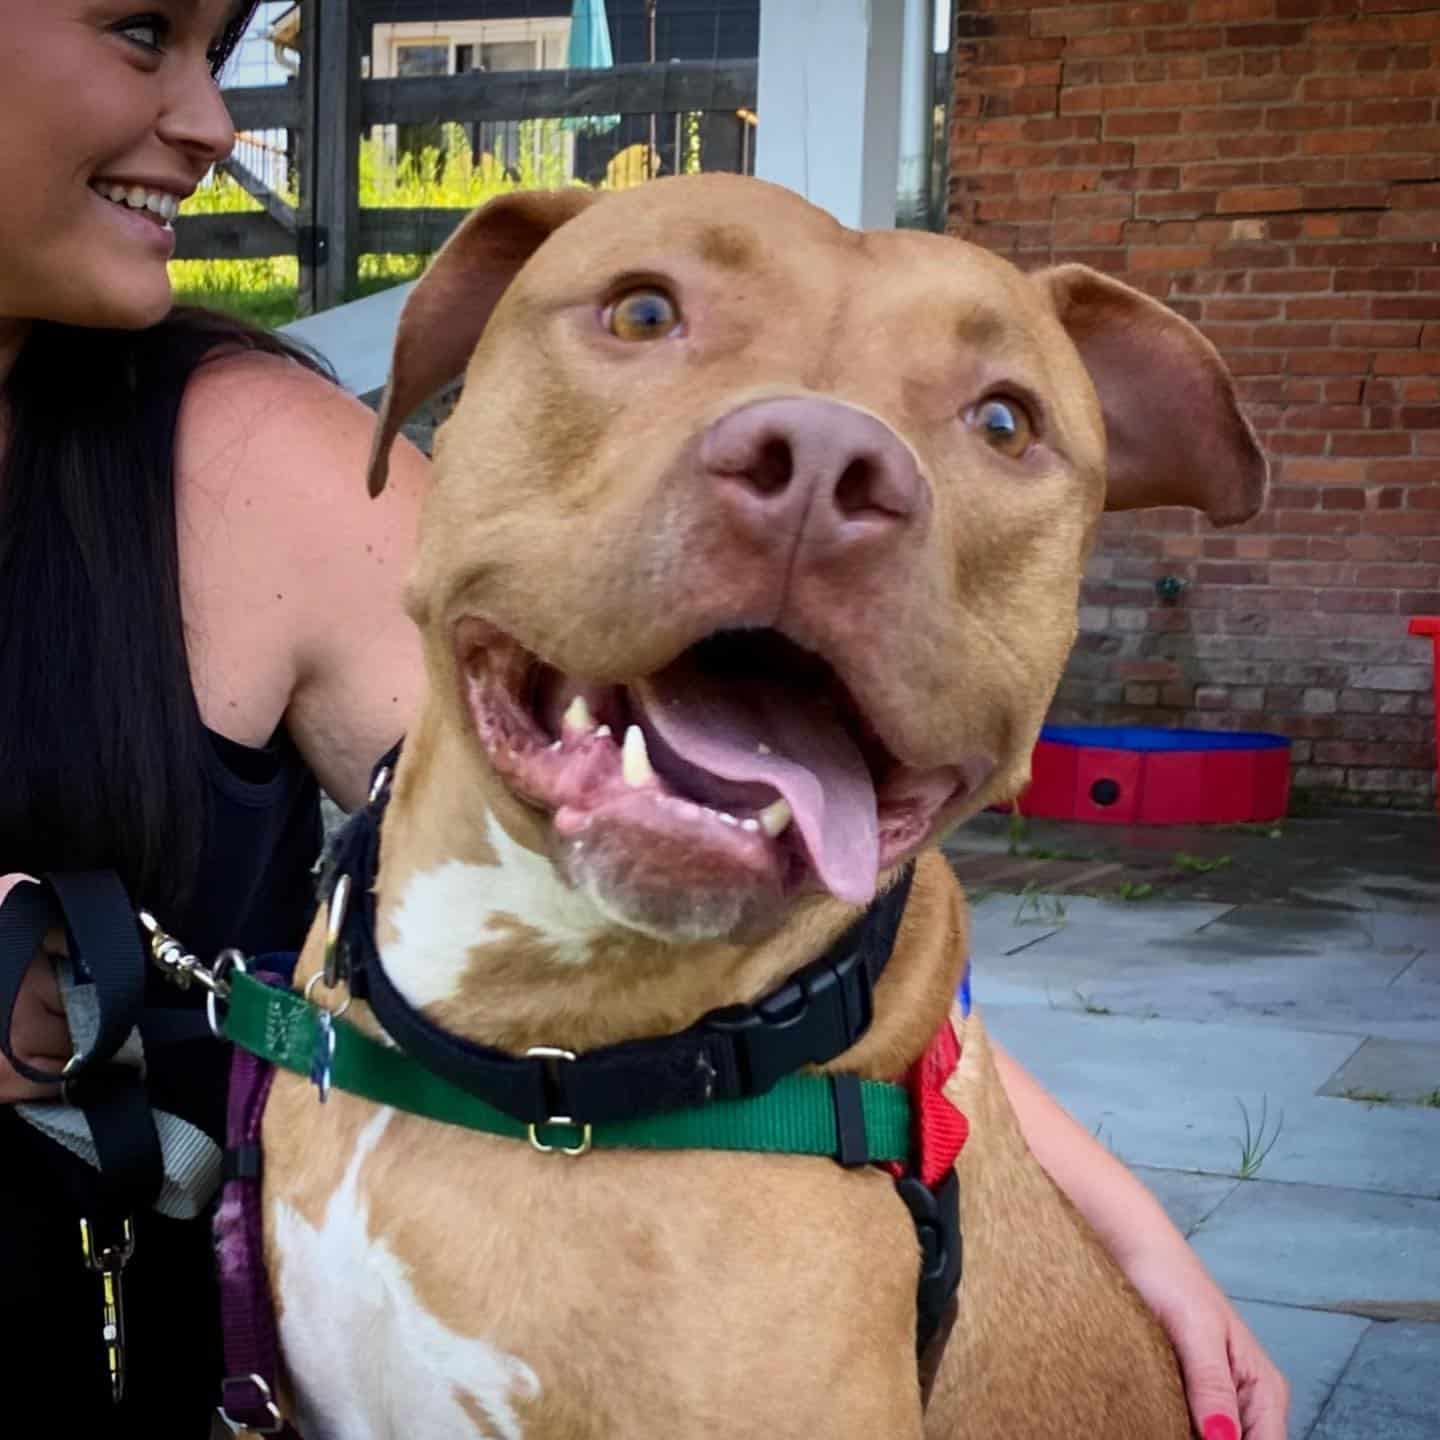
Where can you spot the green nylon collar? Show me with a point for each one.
(796, 1117)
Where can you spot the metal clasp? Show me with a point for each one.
(336, 966)
(277, 1421)
(551, 1053)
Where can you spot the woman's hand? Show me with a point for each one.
(1232, 1386)
(39, 1032)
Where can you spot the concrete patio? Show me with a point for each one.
(1290, 980)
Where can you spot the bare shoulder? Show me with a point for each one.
(292, 577)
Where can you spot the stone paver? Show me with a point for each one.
(1311, 1348)
(1323, 1246)
(1390, 1390)
(1188, 1197)
(1389, 1071)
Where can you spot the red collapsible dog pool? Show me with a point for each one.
(1136, 775)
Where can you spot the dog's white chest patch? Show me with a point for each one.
(445, 911)
(368, 1361)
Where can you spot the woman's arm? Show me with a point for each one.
(293, 576)
(1232, 1386)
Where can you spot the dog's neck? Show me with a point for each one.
(478, 929)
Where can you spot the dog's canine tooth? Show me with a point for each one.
(578, 720)
(775, 818)
(635, 764)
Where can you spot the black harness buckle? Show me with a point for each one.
(800, 1023)
(936, 1214)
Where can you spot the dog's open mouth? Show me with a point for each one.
(746, 758)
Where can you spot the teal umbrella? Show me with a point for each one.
(590, 50)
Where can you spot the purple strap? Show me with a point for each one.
(252, 1348)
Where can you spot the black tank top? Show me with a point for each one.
(254, 890)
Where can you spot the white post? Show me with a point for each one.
(917, 114)
(829, 104)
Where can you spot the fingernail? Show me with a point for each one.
(1220, 1427)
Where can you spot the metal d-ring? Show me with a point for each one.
(318, 978)
(553, 1054)
(217, 987)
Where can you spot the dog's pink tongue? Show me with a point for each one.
(777, 737)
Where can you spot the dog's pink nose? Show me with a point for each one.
(842, 475)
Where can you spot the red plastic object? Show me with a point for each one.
(1430, 625)
(1186, 781)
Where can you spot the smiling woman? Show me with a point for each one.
(181, 509)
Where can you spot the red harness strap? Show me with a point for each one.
(940, 1128)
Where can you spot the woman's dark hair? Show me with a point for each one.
(100, 735)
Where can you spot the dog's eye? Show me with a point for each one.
(1004, 425)
(643, 315)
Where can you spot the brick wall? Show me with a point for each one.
(1271, 169)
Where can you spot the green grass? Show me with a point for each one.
(1369, 1097)
(1255, 1144)
(443, 176)
(1198, 864)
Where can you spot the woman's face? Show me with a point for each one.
(101, 99)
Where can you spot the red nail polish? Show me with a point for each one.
(1220, 1427)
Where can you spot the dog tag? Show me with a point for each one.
(324, 1057)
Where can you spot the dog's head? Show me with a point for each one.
(753, 557)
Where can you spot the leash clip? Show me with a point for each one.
(554, 1055)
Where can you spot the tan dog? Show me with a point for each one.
(807, 509)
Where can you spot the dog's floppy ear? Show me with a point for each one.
(450, 305)
(1173, 428)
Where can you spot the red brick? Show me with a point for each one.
(1068, 20)
(1391, 112)
(1255, 199)
(1145, 122)
(1378, 336)
(1200, 38)
(1306, 117)
(1264, 35)
(1375, 279)
(1371, 602)
(1407, 362)
(1327, 362)
(1258, 87)
(1222, 118)
(1109, 42)
(1325, 417)
(1403, 472)
(1341, 142)
(1258, 144)
(1206, 11)
(1231, 173)
(1242, 309)
(1377, 30)
(1371, 442)
(1328, 307)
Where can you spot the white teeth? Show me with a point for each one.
(136, 197)
(775, 818)
(635, 764)
(728, 819)
(763, 749)
(604, 733)
(753, 826)
(577, 720)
